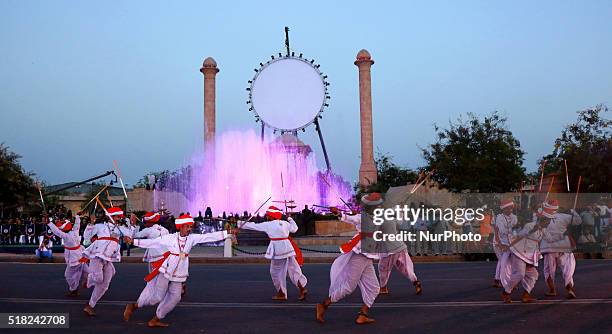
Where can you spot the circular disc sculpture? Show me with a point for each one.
(288, 93)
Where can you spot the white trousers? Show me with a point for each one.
(101, 273)
(279, 270)
(73, 275)
(565, 261)
(401, 261)
(521, 273)
(503, 270)
(350, 270)
(161, 291)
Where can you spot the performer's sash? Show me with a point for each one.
(298, 252)
(157, 264)
(72, 248)
(347, 247)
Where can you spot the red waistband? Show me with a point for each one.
(278, 239)
(186, 254)
(109, 238)
(72, 248)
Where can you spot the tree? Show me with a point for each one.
(477, 155)
(17, 186)
(586, 146)
(389, 175)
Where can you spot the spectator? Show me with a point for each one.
(43, 252)
(208, 213)
(308, 220)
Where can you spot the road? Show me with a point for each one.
(236, 299)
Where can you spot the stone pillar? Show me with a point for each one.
(367, 169)
(210, 70)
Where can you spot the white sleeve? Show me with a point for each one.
(292, 225)
(57, 231)
(353, 220)
(89, 232)
(142, 234)
(208, 237)
(77, 223)
(252, 226)
(149, 243)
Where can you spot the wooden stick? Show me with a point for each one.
(577, 191)
(41, 197)
(109, 198)
(254, 213)
(542, 176)
(566, 175)
(96, 196)
(550, 187)
(331, 188)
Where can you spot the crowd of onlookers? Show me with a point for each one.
(594, 234)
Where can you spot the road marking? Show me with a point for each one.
(564, 302)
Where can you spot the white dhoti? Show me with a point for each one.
(350, 270)
(503, 270)
(522, 272)
(101, 273)
(161, 291)
(565, 261)
(279, 269)
(401, 261)
(73, 275)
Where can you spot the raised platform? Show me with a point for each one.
(334, 228)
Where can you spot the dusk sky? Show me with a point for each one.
(84, 83)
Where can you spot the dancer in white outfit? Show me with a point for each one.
(101, 254)
(557, 248)
(284, 254)
(524, 257)
(172, 271)
(73, 251)
(354, 268)
(502, 225)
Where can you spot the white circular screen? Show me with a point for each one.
(288, 94)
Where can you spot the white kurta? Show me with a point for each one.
(277, 249)
(107, 250)
(176, 268)
(356, 221)
(528, 248)
(71, 239)
(155, 231)
(555, 238)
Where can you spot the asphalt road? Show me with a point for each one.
(236, 299)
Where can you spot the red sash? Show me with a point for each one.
(83, 260)
(347, 247)
(72, 248)
(298, 252)
(109, 238)
(157, 264)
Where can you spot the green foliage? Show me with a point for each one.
(389, 174)
(17, 186)
(586, 145)
(477, 155)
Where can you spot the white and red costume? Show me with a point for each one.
(355, 268)
(152, 231)
(557, 247)
(284, 254)
(503, 225)
(103, 251)
(165, 280)
(73, 251)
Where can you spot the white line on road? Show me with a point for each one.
(563, 302)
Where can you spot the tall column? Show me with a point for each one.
(210, 70)
(367, 169)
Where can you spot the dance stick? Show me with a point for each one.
(120, 179)
(328, 207)
(41, 197)
(94, 198)
(552, 181)
(331, 188)
(416, 187)
(566, 175)
(575, 200)
(577, 191)
(109, 198)
(284, 192)
(254, 213)
(542, 176)
(417, 181)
